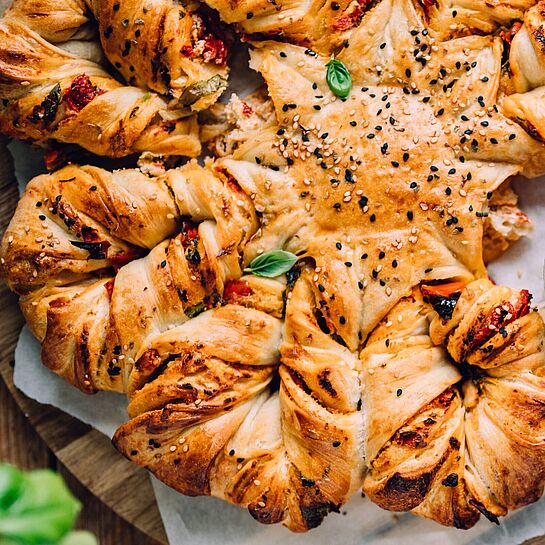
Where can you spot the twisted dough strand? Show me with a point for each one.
(168, 47)
(50, 94)
(289, 455)
(84, 222)
(202, 386)
(455, 440)
(527, 66)
(453, 18)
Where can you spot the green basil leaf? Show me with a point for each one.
(11, 482)
(338, 78)
(202, 88)
(272, 264)
(36, 508)
(195, 310)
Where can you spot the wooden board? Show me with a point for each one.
(85, 453)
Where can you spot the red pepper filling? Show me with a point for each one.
(109, 287)
(121, 259)
(417, 437)
(348, 20)
(247, 110)
(443, 297)
(235, 290)
(81, 92)
(53, 159)
(427, 4)
(500, 316)
(231, 181)
(508, 35)
(190, 232)
(210, 33)
(214, 50)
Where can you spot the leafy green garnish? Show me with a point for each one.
(36, 508)
(338, 78)
(271, 264)
(202, 88)
(195, 310)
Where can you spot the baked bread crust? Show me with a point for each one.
(318, 24)
(50, 94)
(475, 441)
(170, 48)
(385, 358)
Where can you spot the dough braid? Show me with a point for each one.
(175, 49)
(451, 437)
(290, 452)
(50, 94)
(207, 416)
(527, 66)
(86, 295)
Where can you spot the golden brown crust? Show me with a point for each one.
(55, 21)
(320, 25)
(273, 451)
(85, 222)
(174, 49)
(505, 222)
(50, 94)
(453, 18)
(463, 438)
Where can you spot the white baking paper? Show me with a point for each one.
(208, 521)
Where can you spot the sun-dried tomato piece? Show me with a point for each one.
(190, 232)
(498, 317)
(214, 50)
(348, 20)
(236, 289)
(81, 92)
(508, 35)
(121, 259)
(443, 297)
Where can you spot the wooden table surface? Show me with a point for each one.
(21, 445)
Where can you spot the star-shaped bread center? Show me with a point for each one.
(389, 186)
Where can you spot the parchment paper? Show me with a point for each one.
(207, 521)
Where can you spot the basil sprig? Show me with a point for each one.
(271, 264)
(36, 508)
(338, 78)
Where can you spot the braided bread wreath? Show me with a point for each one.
(385, 359)
(172, 55)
